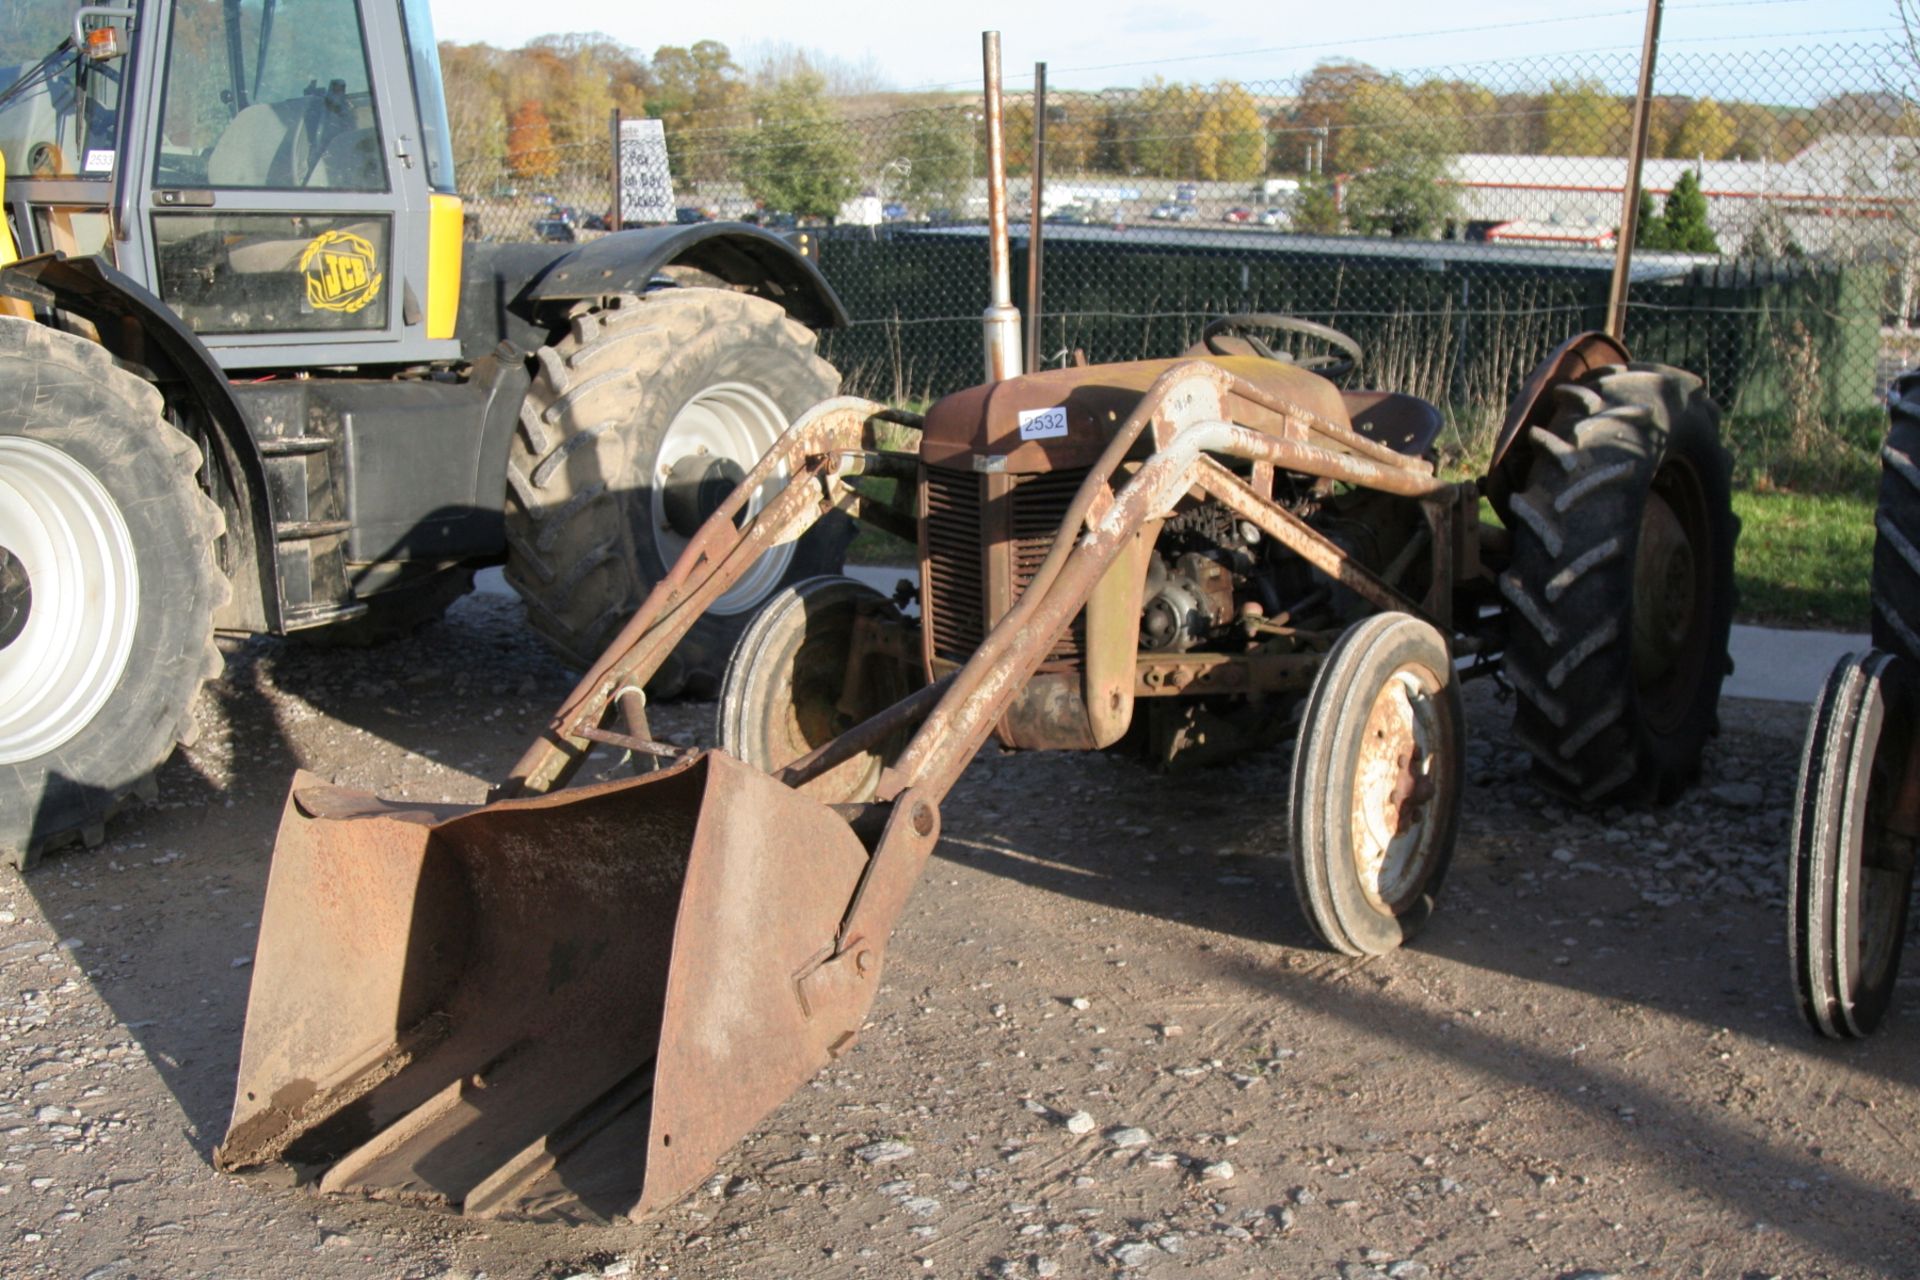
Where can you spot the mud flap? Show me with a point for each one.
(562, 1007)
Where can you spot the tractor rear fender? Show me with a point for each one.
(140, 330)
(517, 292)
(1533, 406)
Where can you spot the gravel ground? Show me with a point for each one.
(1106, 1042)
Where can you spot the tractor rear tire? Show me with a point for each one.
(639, 388)
(1621, 586)
(108, 588)
(1896, 545)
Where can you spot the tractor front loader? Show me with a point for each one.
(568, 1002)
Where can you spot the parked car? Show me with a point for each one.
(1275, 218)
(556, 230)
(1174, 211)
(1074, 215)
(893, 211)
(1239, 213)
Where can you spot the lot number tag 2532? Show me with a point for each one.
(1043, 424)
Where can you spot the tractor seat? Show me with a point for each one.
(1403, 423)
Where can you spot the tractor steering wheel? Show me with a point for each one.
(1342, 357)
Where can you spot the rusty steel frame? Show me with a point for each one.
(1188, 414)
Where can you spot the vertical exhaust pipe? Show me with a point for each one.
(1000, 323)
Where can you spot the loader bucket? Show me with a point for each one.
(560, 1007)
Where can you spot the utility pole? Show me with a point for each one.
(1630, 189)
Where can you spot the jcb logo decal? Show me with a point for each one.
(342, 274)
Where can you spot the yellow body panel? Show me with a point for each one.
(446, 239)
(9, 306)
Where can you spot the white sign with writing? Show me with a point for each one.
(646, 183)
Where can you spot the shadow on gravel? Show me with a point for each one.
(167, 909)
(1766, 1180)
(1156, 849)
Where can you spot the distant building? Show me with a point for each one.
(1837, 193)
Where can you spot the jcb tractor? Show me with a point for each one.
(252, 380)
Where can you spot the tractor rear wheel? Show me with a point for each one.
(1621, 586)
(1376, 785)
(639, 423)
(1896, 545)
(108, 587)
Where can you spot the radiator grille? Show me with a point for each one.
(955, 601)
(956, 597)
(1037, 504)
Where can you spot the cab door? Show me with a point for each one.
(282, 198)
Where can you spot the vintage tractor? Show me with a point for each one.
(568, 1002)
(252, 380)
(1856, 818)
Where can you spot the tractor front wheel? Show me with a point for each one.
(1376, 785)
(1853, 850)
(108, 587)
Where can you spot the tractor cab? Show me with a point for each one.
(278, 172)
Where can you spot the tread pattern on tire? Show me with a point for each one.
(1896, 544)
(82, 784)
(1570, 583)
(573, 553)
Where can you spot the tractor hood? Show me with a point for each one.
(1064, 417)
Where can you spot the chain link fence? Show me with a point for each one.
(1457, 222)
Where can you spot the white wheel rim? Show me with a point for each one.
(67, 532)
(739, 423)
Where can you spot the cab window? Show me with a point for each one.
(269, 95)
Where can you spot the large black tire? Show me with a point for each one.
(1896, 545)
(110, 587)
(394, 614)
(632, 382)
(1621, 586)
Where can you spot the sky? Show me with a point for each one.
(1092, 46)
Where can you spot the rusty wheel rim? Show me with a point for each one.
(1395, 785)
(809, 701)
(1673, 591)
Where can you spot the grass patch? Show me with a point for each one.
(1803, 559)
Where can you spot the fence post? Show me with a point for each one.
(1630, 189)
(1035, 189)
(619, 214)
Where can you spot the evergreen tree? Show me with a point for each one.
(1686, 217)
(1650, 229)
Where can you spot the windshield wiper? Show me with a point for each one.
(37, 74)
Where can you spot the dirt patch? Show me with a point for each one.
(1106, 1039)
